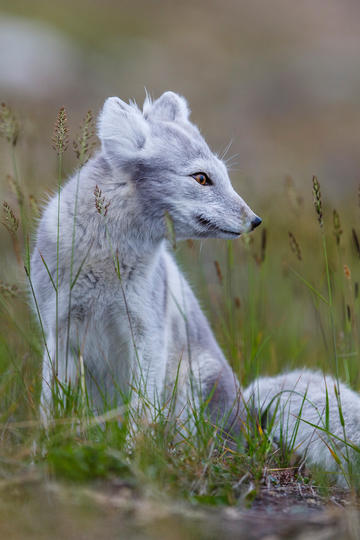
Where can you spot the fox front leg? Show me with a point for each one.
(60, 379)
(147, 386)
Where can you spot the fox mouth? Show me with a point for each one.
(211, 227)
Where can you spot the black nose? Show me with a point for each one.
(255, 222)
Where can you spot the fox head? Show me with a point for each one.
(172, 168)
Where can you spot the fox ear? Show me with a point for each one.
(169, 107)
(122, 129)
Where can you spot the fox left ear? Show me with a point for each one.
(122, 129)
(169, 107)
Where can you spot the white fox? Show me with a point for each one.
(132, 318)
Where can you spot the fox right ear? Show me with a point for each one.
(170, 107)
(122, 129)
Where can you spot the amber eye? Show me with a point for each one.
(202, 179)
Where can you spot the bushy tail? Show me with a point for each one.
(311, 414)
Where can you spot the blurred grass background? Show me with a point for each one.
(279, 79)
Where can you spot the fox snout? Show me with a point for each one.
(249, 220)
(255, 222)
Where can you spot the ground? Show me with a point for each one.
(282, 509)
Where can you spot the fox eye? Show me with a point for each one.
(202, 179)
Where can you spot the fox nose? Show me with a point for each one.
(255, 222)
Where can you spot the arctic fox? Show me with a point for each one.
(132, 319)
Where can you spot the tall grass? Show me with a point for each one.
(276, 299)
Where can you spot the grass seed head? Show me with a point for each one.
(317, 200)
(100, 202)
(83, 144)
(356, 242)
(247, 239)
(34, 206)
(263, 244)
(9, 220)
(337, 227)
(8, 290)
(60, 137)
(218, 272)
(260, 257)
(347, 272)
(9, 126)
(15, 188)
(294, 246)
(295, 200)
